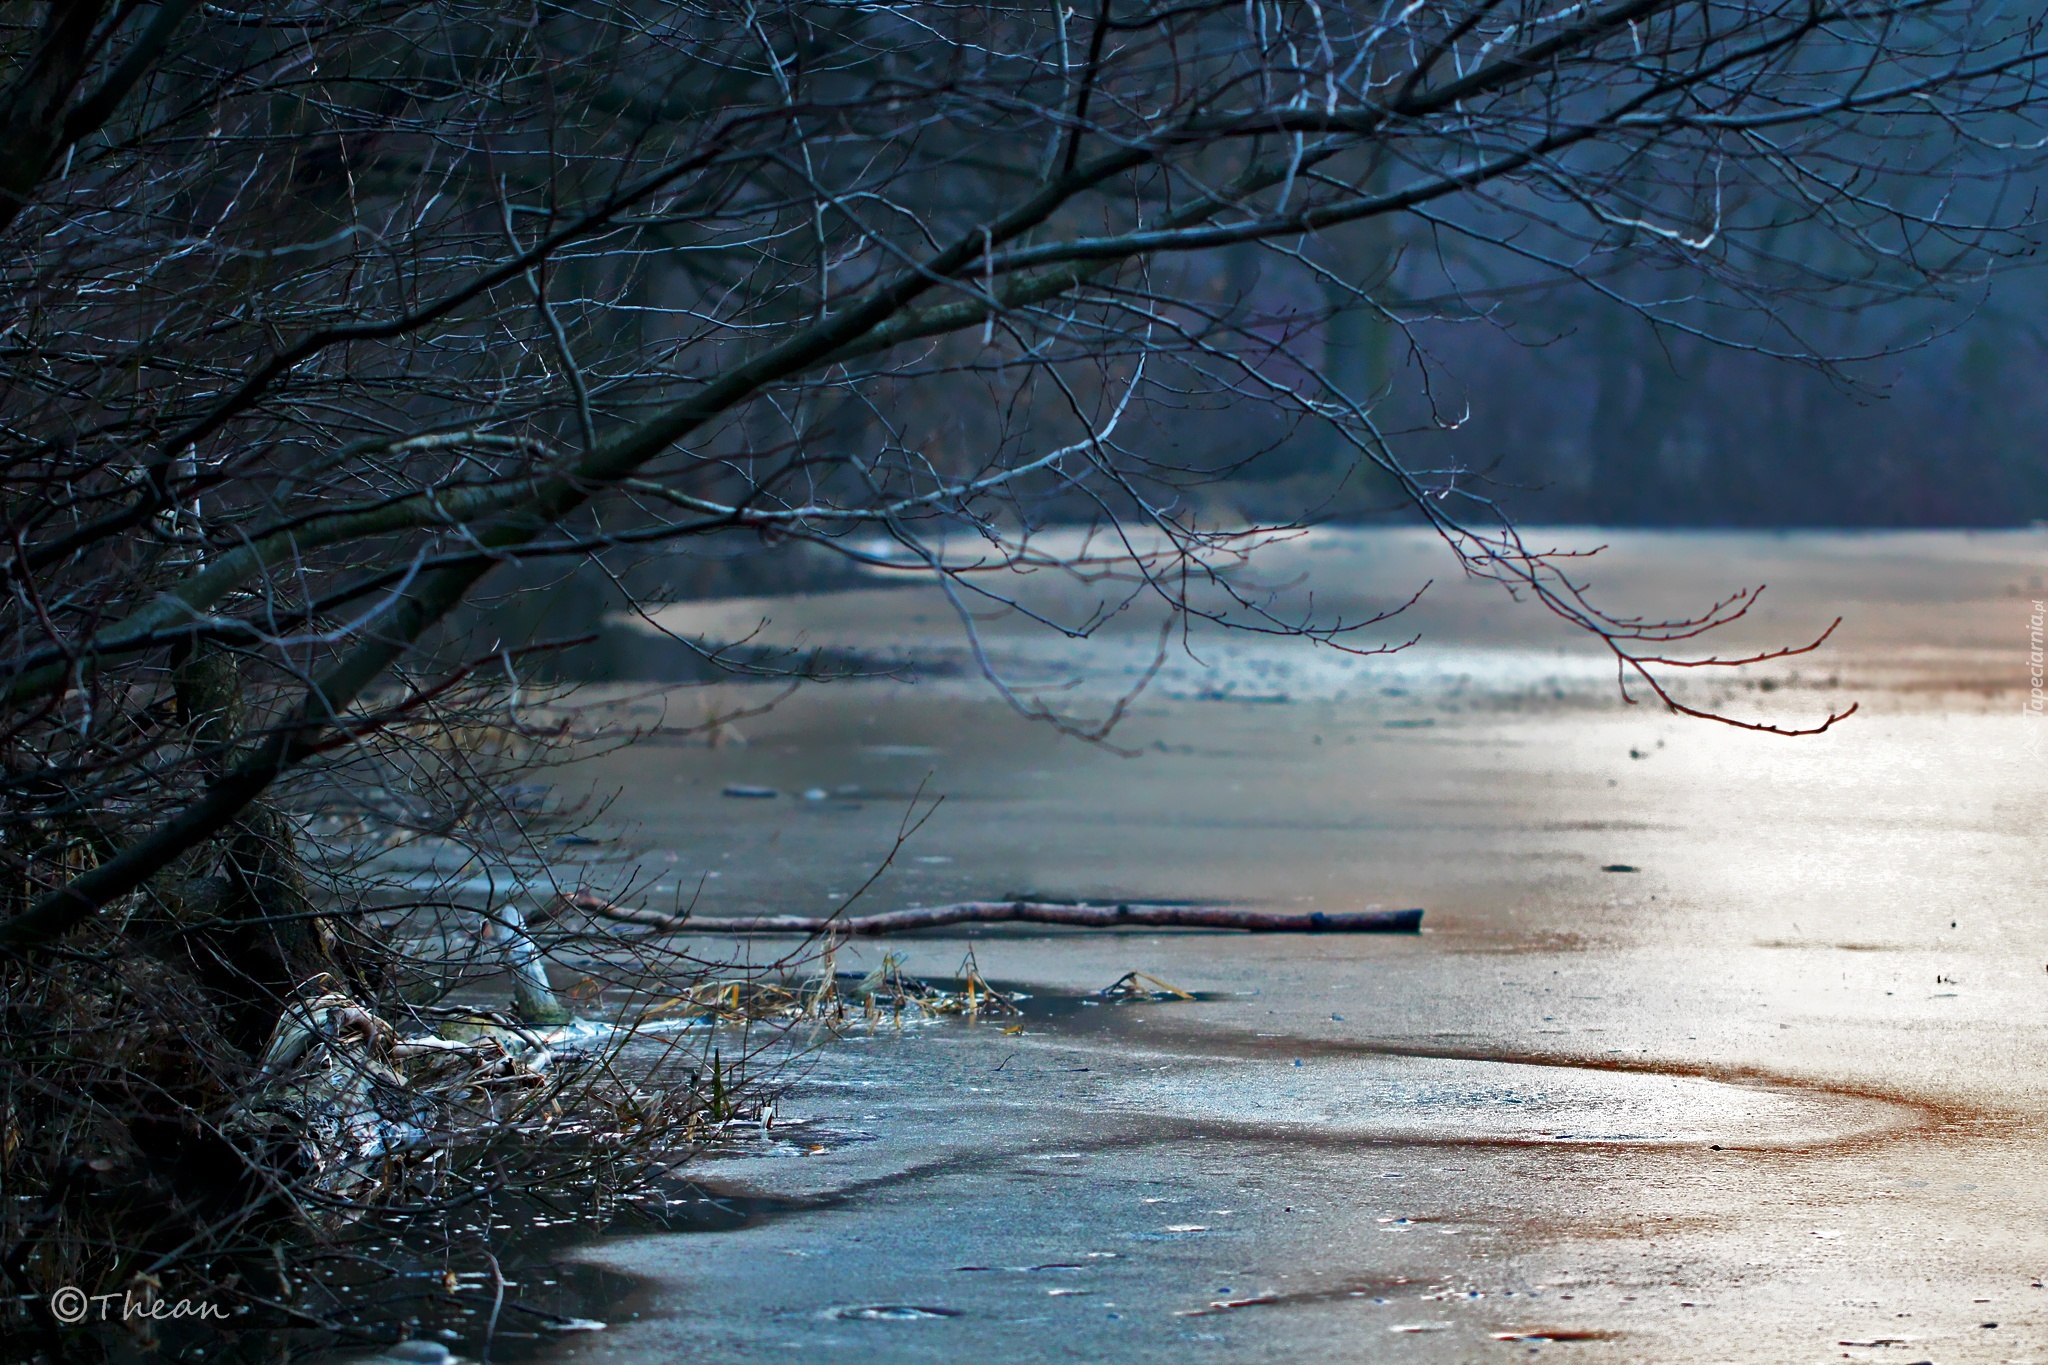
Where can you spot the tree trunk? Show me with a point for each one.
(237, 906)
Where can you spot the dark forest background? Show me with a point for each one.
(1590, 416)
(1570, 408)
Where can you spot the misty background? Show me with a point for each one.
(1560, 407)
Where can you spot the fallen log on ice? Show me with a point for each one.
(1017, 912)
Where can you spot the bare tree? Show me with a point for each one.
(317, 316)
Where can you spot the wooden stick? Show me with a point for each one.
(1027, 912)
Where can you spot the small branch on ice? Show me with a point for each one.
(1026, 912)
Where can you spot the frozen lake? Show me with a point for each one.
(1775, 1093)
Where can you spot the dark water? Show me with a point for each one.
(432, 1279)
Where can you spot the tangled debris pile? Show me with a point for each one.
(359, 1108)
(350, 1100)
